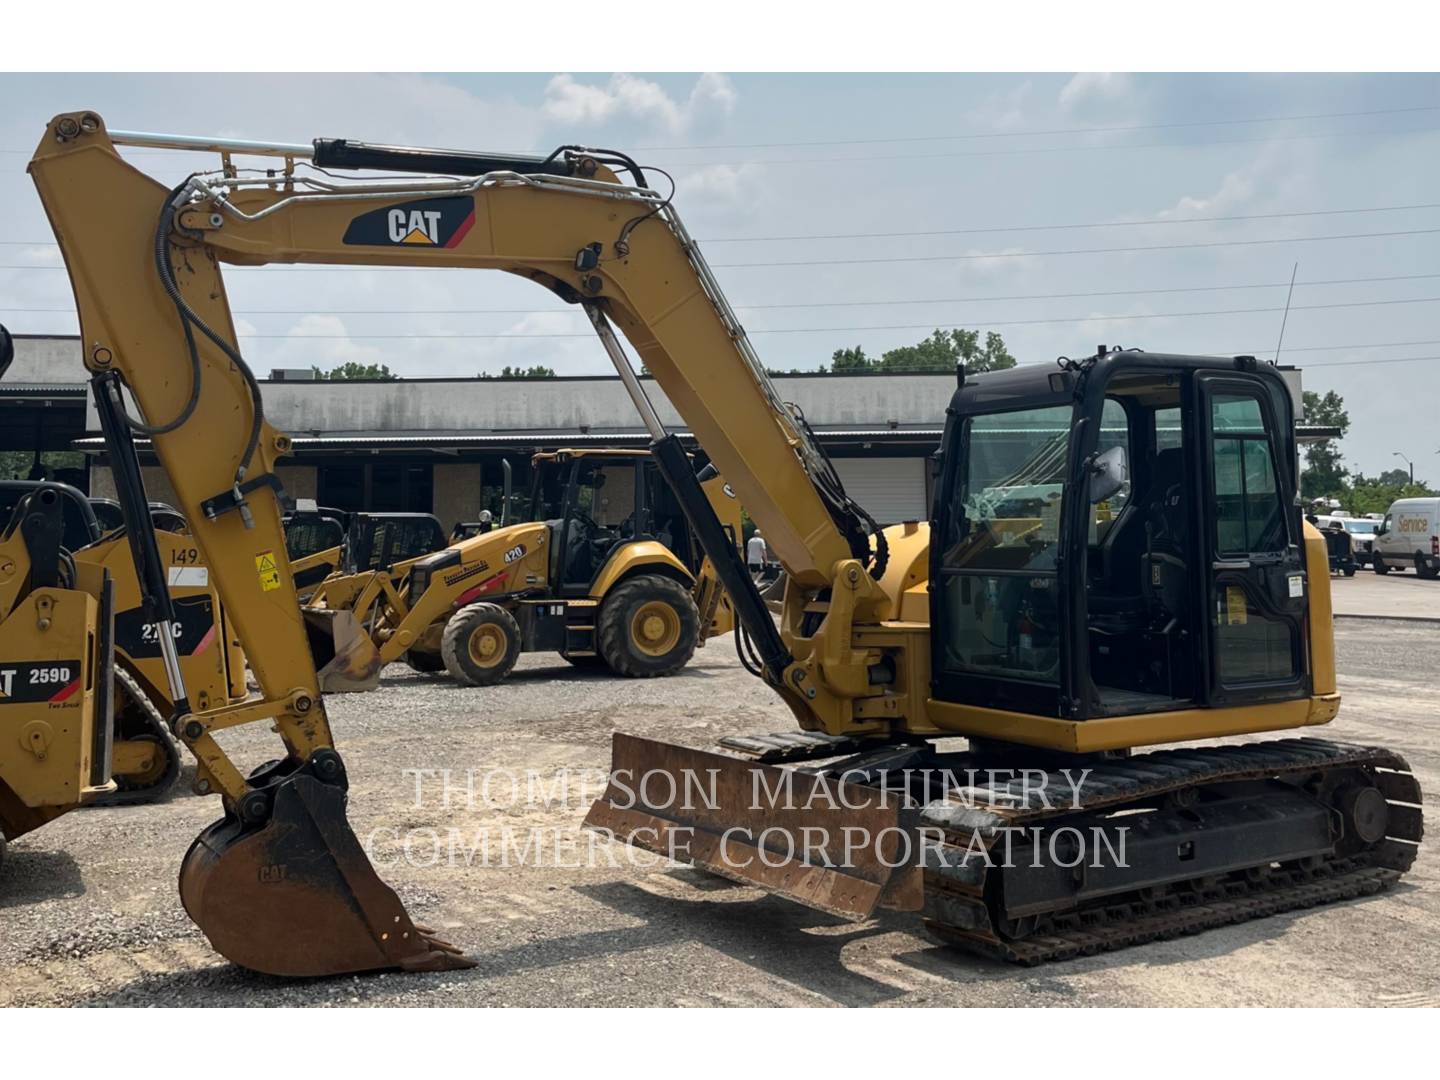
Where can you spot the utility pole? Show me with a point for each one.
(1402, 457)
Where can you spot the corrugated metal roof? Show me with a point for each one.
(447, 440)
(30, 390)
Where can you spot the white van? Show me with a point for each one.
(1410, 536)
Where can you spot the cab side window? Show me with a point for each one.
(1249, 512)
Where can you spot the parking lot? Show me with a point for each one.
(1396, 595)
(91, 915)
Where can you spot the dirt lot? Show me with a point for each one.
(89, 912)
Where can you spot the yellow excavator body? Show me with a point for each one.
(1116, 557)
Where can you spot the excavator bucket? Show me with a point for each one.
(840, 847)
(297, 896)
(346, 659)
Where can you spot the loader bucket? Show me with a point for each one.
(297, 896)
(840, 847)
(346, 660)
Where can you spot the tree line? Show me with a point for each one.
(1326, 477)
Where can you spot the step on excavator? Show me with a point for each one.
(1115, 561)
(602, 568)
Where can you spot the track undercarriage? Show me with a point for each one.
(1031, 863)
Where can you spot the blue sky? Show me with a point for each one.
(766, 156)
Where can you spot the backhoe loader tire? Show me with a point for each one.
(648, 626)
(480, 645)
(426, 663)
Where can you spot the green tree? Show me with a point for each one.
(850, 360)
(1395, 477)
(943, 349)
(1324, 474)
(353, 370)
(534, 371)
(1374, 496)
(20, 464)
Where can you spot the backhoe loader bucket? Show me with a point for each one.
(345, 658)
(840, 847)
(296, 895)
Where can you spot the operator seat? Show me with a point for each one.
(1165, 574)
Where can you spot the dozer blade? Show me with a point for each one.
(297, 896)
(840, 847)
(346, 660)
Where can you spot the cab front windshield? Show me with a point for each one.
(999, 558)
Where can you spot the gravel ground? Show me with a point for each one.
(90, 914)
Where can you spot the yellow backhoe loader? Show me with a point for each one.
(1115, 560)
(604, 570)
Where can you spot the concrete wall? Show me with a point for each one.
(47, 360)
(456, 493)
(502, 405)
(486, 405)
(569, 405)
(299, 481)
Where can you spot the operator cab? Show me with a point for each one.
(596, 502)
(1119, 536)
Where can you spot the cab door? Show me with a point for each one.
(1255, 581)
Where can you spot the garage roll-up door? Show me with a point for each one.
(890, 489)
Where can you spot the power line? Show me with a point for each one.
(1367, 363)
(1030, 133)
(1089, 148)
(970, 231)
(813, 304)
(968, 257)
(1084, 225)
(1078, 251)
(1020, 151)
(979, 320)
(1027, 133)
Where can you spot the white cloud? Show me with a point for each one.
(623, 96)
(725, 184)
(1003, 110)
(1090, 87)
(317, 340)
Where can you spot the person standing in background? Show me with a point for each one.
(755, 554)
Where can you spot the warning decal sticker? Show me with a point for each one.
(268, 571)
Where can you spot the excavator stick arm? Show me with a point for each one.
(280, 885)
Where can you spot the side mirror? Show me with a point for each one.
(1108, 474)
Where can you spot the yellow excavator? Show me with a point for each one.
(1115, 560)
(603, 570)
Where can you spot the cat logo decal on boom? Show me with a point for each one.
(440, 223)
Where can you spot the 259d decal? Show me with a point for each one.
(54, 681)
(439, 223)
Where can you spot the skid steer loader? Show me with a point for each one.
(60, 530)
(606, 572)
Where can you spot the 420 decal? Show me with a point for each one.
(439, 223)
